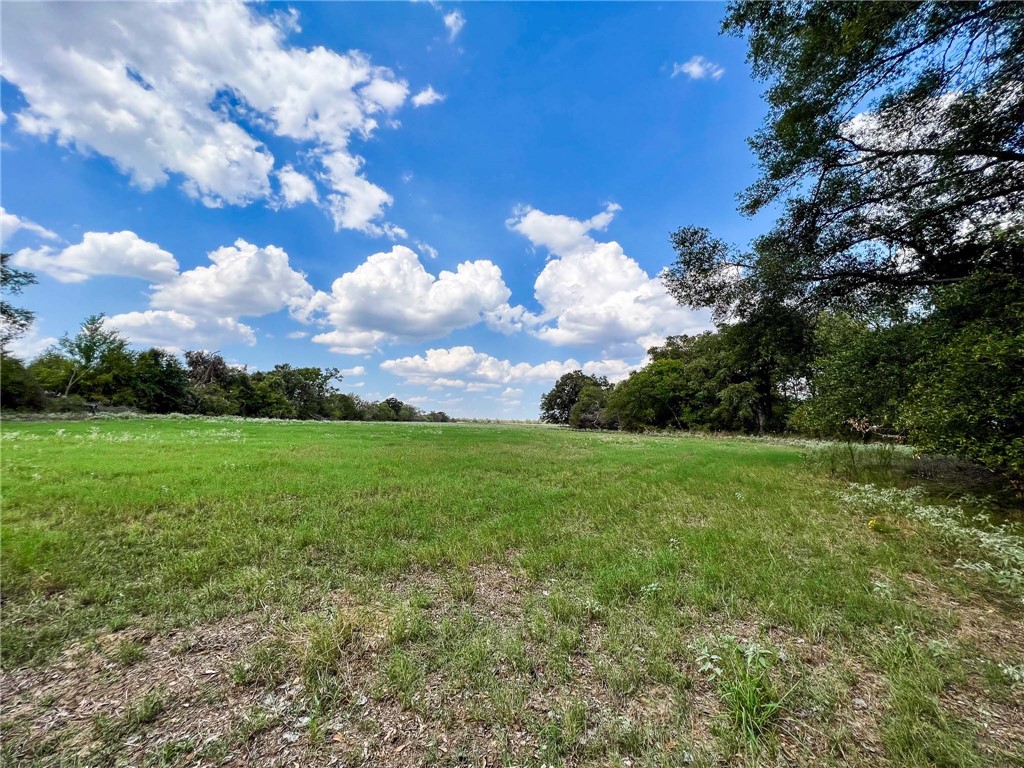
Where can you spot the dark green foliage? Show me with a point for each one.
(742, 377)
(343, 407)
(115, 377)
(161, 383)
(861, 371)
(18, 387)
(393, 406)
(700, 389)
(557, 404)
(214, 400)
(589, 410)
(14, 321)
(295, 393)
(949, 380)
(656, 395)
(968, 399)
(268, 398)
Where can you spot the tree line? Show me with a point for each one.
(888, 296)
(887, 299)
(97, 368)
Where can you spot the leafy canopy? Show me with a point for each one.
(556, 405)
(14, 321)
(894, 146)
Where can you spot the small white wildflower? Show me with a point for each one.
(1001, 550)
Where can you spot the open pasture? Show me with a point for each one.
(208, 592)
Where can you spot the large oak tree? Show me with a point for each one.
(893, 151)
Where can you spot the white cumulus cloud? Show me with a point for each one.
(190, 308)
(356, 203)
(391, 297)
(101, 253)
(243, 279)
(463, 367)
(296, 188)
(177, 331)
(167, 89)
(592, 293)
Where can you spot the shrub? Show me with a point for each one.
(969, 396)
(860, 372)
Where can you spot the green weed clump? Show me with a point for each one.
(861, 462)
(324, 643)
(128, 653)
(110, 731)
(742, 673)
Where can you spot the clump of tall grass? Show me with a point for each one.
(317, 650)
(861, 461)
(742, 673)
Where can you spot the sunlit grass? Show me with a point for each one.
(634, 551)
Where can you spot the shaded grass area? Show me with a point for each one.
(628, 562)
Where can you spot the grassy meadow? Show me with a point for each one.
(227, 592)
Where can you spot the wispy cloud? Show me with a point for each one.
(698, 68)
(454, 21)
(426, 97)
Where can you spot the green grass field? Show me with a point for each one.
(206, 592)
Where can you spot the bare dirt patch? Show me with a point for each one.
(996, 627)
(999, 728)
(180, 698)
(86, 703)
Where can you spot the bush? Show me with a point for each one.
(69, 404)
(19, 389)
(211, 400)
(860, 373)
(969, 397)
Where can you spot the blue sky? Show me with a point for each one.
(454, 203)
